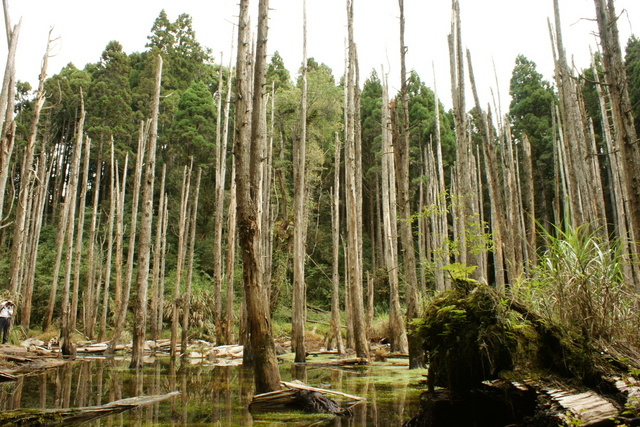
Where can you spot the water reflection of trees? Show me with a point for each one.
(215, 395)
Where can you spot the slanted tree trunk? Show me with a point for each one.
(20, 229)
(250, 150)
(6, 106)
(298, 312)
(44, 174)
(146, 227)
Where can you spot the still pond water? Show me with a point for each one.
(213, 395)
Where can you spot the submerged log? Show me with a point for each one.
(300, 396)
(69, 416)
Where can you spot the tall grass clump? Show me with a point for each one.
(579, 284)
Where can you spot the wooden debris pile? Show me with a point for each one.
(297, 395)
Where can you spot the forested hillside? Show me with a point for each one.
(129, 207)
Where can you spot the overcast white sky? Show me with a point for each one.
(494, 30)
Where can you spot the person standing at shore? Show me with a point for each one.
(6, 313)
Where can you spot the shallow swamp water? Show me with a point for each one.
(214, 395)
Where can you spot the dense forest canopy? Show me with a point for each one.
(486, 193)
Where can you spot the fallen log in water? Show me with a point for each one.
(301, 396)
(4, 377)
(69, 416)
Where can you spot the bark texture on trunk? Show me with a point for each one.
(250, 154)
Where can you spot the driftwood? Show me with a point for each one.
(342, 362)
(4, 377)
(69, 416)
(300, 396)
(301, 386)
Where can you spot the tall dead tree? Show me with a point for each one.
(220, 174)
(298, 312)
(336, 333)
(114, 196)
(41, 193)
(146, 230)
(7, 99)
(468, 227)
(122, 304)
(250, 145)
(403, 160)
(92, 286)
(20, 229)
(70, 207)
(186, 296)
(440, 228)
(574, 128)
(231, 253)
(353, 199)
(626, 139)
(397, 331)
(182, 245)
(78, 246)
(155, 320)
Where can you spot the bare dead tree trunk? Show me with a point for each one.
(187, 288)
(621, 207)
(335, 333)
(146, 229)
(41, 192)
(158, 252)
(402, 153)
(354, 201)
(92, 287)
(468, 227)
(70, 207)
(250, 150)
(182, 237)
(397, 331)
(231, 251)
(529, 196)
(574, 134)
(7, 98)
(626, 140)
(220, 174)
(20, 230)
(441, 245)
(77, 255)
(114, 198)
(298, 312)
(122, 305)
